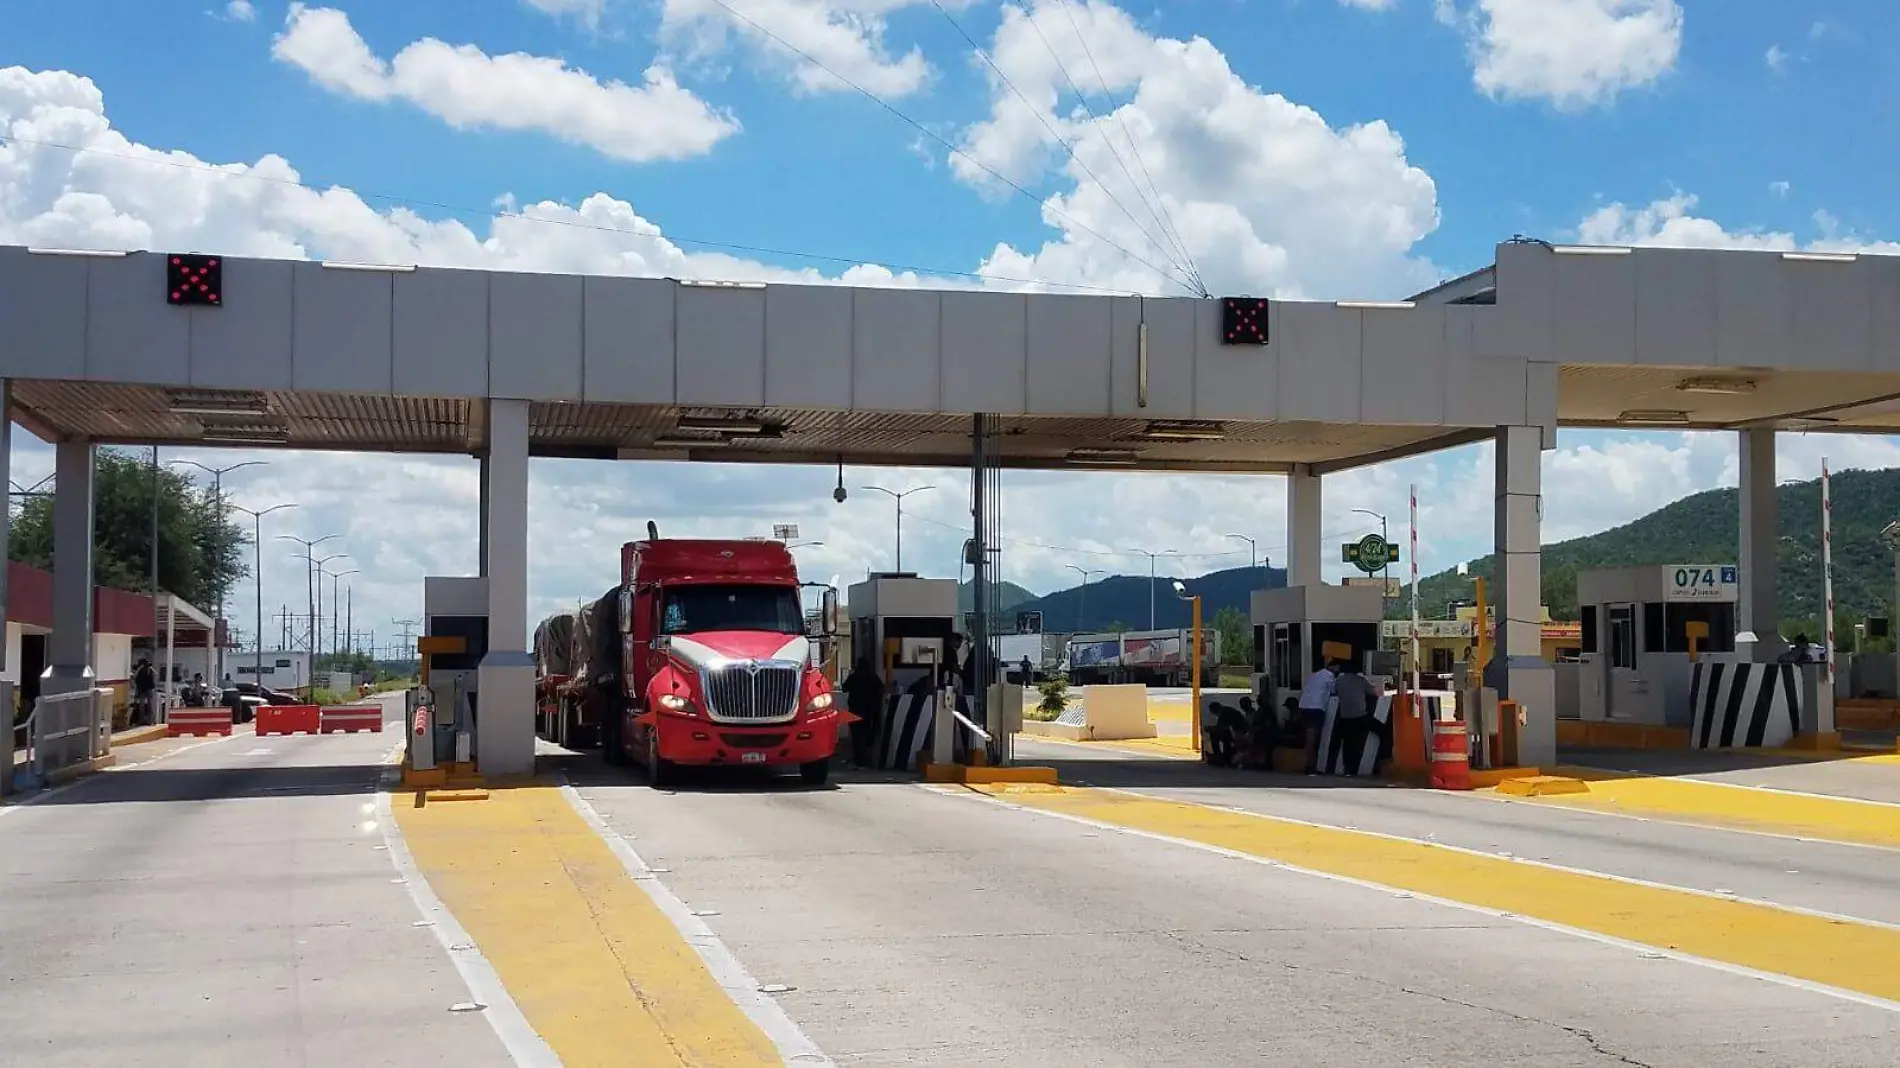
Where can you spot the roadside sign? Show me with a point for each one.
(1701, 582)
(1029, 622)
(1370, 554)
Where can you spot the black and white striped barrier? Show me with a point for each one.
(1341, 755)
(908, 727)
(1742, 704)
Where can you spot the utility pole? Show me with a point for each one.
(1253, 550)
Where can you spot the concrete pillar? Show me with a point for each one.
(1518, 670)
(504, 722)
(1303, 527)
(69, 648)
(481, 536)
(6, 523)
(1760, 610)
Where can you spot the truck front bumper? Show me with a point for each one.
(696, 742)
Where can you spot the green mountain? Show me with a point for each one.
(1011, 596)
(1705, 528)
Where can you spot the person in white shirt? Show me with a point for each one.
(1313, 699)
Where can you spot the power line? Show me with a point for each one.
(1068, 9)
(1158, 209)
(1063, 141)
(464, 210)
(954, 150)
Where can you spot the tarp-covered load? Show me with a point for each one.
(554, 645)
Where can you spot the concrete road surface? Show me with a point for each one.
(236, 903)
(921, 927)
(230, 904)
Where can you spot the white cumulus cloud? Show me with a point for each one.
(1178, 160)
(841, 37)
(470, 89)
(1572, 53)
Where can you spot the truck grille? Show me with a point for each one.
(746, 692)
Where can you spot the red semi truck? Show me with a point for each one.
(707, 661)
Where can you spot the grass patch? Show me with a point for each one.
(1055, 699)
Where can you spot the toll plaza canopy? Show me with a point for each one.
(179, 349)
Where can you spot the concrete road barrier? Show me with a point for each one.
(350, 719)
(197, 722)
(286, 719)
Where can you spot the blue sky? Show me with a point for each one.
(1325, 148)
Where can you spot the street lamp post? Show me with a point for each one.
(257, 547)
(1253, 550)
(336, 613)
(309, 585)
(316, 620)
(1083, 603)
(899, 498)
(1151, 555)
(217, 493)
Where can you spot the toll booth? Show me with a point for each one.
(903, 625)
(454, 640)
(1644, 628)
(1294, 626)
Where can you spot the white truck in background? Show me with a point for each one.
(1149, 657)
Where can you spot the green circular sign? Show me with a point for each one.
(1372, 554)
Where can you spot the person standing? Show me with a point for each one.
(1319, 690)
(145, 693)
(1353, 722)
(864, 699)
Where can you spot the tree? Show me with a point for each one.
(1236, 636)
(200, 553)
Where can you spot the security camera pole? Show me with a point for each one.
(1180, 590)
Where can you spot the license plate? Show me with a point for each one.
(751, 758)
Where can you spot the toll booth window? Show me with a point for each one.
(1622, 636)
(1720, 617)
(692, 609)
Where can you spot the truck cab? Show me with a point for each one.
(716, 662)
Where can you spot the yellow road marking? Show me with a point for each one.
(598, 970)
(1732, 807)
(1863, 958)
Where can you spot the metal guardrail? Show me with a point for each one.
(63, 731)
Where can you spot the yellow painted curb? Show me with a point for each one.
(1543, 786)
(599, 971)
(139, 735)
(961, 774)
(1740, 808)
(1824, 743)
(454, 795)
(1483, 778)
(1818, 949)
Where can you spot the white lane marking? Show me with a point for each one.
(1697, 777)
(260, 751)
(44, 795)
(1630, 880)
(739, 985)
(522, 1042)
(1653, 952)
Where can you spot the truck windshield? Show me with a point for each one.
(701, 608)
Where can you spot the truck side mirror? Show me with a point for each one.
(828, 612)
(626, 611)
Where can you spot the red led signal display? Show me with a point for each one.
(194, 279)
(1243, 320)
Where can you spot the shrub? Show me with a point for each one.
(1055, 699)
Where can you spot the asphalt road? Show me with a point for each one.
(235, 903)
(230, 904)
(919, 927)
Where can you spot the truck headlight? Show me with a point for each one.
(673, 702)
(819, 703)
